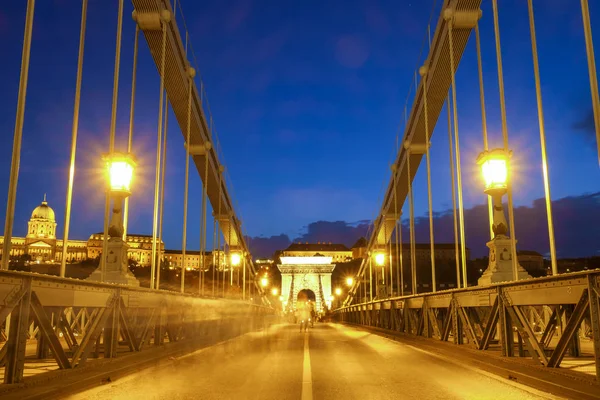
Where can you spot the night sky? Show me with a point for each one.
(306, 97)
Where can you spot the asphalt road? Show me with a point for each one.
(329, 362)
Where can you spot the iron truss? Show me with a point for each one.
(541, 318)
(69, 321)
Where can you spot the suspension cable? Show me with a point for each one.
(207, 146)
(398, 229)
(131, 114)
(214, 265)
(111, 141)
(18, 136)
(450, 142)
(63, 261)
(457, 145)
(370, 277)
(165, 17)
(219, 223)
(162, 192)
(483, 119)
(511, 215)
(187, 175)
(589, 48)
(538, 92)
(423, 71)
(413, 259)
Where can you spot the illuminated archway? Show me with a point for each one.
(306, 295)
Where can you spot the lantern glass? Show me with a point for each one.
(495, 173)
(120, 172)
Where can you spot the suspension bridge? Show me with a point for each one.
(111, 336)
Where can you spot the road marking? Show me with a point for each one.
(306, 373)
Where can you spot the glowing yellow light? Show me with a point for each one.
(379, 259)
(236, 259)
(264, 282)
(494, 167)
(120, 172)
(280, 298)
(349, 281)
(338, 291)
(274, 291)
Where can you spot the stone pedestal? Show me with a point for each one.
(500, 268)
(116, 266)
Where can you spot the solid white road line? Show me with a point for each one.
(306, 372)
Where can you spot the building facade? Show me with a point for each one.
(42, 245)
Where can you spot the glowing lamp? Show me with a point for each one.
(236, 259)
(274, 291)
(494, 167)
(349, 281)
(264, 282)
(120, 168)
(379, 259)
(338, 291)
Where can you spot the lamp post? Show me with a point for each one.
(494, 166)
(114, 264)
(380, 262)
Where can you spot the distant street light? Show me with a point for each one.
(274, 291)
(349, 281)
(264, 281)
(338, 291)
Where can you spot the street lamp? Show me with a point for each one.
(338, 291)
(236, 259)
(114, 265)
(379, 259)
(274, 291)
(495, 169)
(349, 281)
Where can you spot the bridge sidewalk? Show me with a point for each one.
(520, 371)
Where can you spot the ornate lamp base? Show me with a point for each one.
(500, 268)
(116, 269)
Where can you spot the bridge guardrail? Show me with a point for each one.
(542, 318)
(73, 320)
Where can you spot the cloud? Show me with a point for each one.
(265, 247)
(576, 225)
(334, 232)
(585, 124)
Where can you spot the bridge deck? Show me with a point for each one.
(330, 361)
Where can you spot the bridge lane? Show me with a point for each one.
(345, 363)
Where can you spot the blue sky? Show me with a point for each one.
(306, 98)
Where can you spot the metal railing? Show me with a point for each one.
(69, 321)
(543, 318)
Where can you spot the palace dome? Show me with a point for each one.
(43, 211)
